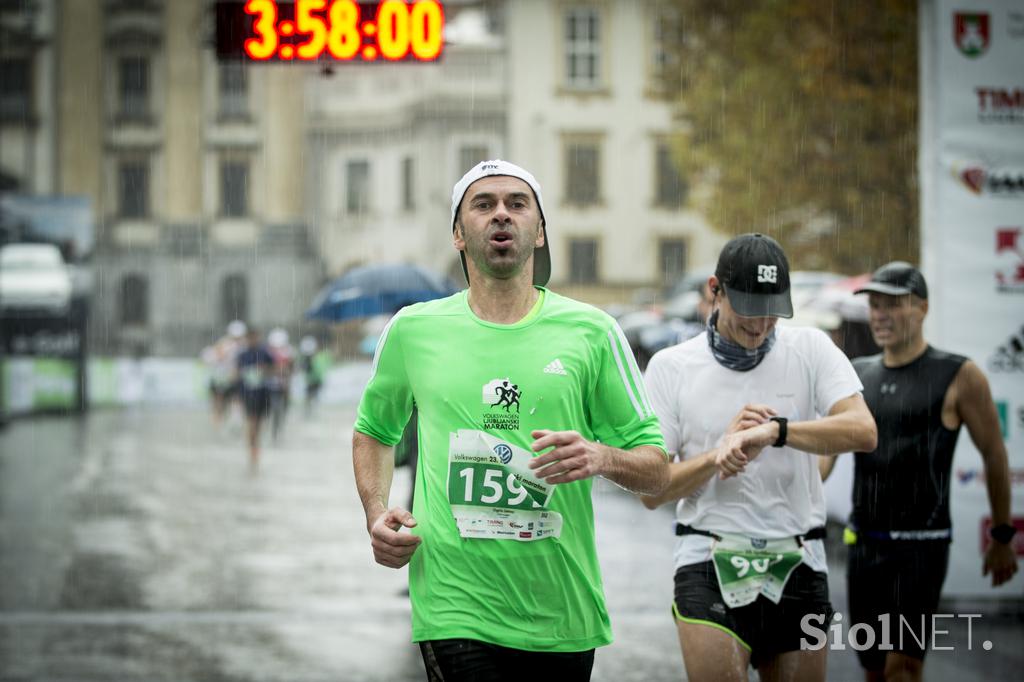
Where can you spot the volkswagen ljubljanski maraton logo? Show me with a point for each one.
(501, 399)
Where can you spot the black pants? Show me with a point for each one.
(902, 579)
(469, 660)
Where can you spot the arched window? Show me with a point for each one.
(234, 298)
(134, 298)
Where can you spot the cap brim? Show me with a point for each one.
(880, 288)
(760, 305)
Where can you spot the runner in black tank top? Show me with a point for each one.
(904, 484)
(899, 547)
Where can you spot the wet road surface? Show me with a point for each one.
(135, 545)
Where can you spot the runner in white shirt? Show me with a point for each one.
(741, 407)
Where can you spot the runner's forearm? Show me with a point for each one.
(997, 484)
(374, 466)
(832, 436)
(684, 479)
(851, 430)
(641, 470)
(978, 412)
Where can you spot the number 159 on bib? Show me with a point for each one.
(489, 486)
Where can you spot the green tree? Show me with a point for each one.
(801, 118)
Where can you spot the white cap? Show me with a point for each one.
(278, 337)
(307, 345)
(541, 255)
(237, 329)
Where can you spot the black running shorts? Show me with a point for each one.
(899, 578)
(763, 628)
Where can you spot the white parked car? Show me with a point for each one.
(34, 280)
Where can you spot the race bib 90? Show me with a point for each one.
(747, 568)
(492, 492)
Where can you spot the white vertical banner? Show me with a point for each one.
(972, 240)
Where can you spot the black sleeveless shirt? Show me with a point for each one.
(904, 483)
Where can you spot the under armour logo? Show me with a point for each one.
(888, 389)
(768, 273)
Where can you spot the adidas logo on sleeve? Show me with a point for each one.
(555, 367)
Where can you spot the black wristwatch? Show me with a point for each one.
(1003, 533)
(783, 431)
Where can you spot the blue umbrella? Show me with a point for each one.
(376, 290)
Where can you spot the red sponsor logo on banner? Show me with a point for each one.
(984, 181)
(971, 33)
(1000, 105)
(1009, 260)
(1018, 540)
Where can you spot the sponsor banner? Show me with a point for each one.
(972, 203)
(33, 383)
(981, 84)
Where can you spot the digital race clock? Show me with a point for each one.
(343, 30)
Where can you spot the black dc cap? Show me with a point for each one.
(755, 273)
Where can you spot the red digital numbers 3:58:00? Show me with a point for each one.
(308, 30)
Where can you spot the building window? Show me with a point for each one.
(234, 188)
(233, 89)
(134, 300)
(582, 48)
(583, 261)
(133, 188)
(134, 87)
(670, 187)
(582, 172)
(471, 155)
(234, 298)
(667, 36)
(672, 257)
(15, 88)
(408, 184)
(357, 187)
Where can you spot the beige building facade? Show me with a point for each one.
(591, 121)
(567, 89)
(194, 168)
(226, 190)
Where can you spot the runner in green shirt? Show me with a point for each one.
(523, 397)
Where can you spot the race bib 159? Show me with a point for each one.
(494, 494)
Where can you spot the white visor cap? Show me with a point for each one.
(542, 255)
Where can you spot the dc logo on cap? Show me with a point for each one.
(768, 273)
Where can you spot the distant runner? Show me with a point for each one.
(219, 359)
(254, 366)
